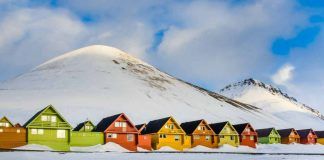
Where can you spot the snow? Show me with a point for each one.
(166, 149)
(111, 147)
(35, 147)
(98, 81)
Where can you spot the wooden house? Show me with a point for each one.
(289, 135)
(248, 135)
(307, 136)
(144, 140)
(166, 132)
(200, 133)
(226, 134)
(48, 127)
(120, 130)
(11, 136)
(83, 135)
(268, 136)
(320, 137)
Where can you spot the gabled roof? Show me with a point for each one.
(106, 122)
(190, 127)
(264, 132)
(140, 127)
(285, 132)
(82, 124)
(17, 125)
(7, 120)
(218, 127)
(155, 125)
(320, 134)
(43, 110)
(303, 133)
(240, 127)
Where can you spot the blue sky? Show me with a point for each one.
(209, 43)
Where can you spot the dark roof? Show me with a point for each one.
(320, 134)
(33, 117)
(303, 133)
(264, 132)
(217, 127)
(285, 132)
(189, 127)
(80, 125)
(155, 125)
(140, 126)
(240, 127)
(106, 122)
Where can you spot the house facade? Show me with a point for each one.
(83, 135)
(11, 136)
(200, 133)
(268, 136)
(248, 135)
(226, 134)
(166, 132)
(307, 136)
(144, 140)
(289, 136)
(320, 137)
(48, 127)
(120, 130)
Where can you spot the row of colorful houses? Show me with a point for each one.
(48, 127)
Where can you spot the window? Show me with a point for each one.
(203, 128)
(244, 137)
(33, 131)
(111, 135)
(53, 119)
(221, 136)
(247, 130)
(208, 138)
(130, 137)
(120, 124)
(199, 128)
(45, 118)
(164, 136)
(196, 137)
(40, 131)
(124, 124)
(170, 126)
(176, 137)
(4, 124)
(18, 130)
(60, 134)
(1, 130)
(232, 137)
(251, 138)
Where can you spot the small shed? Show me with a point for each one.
(83, 135)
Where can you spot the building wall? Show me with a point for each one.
(86, 138)
(12, 137)
(122, 140)
(246, 140)
(311, 139)
(49, 138)
(144, 141)
(263, 140)
(226, 139)
(290, 139)
(201, 140)
(320, 141)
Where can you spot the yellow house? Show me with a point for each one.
(226, 134)
(320, 137)
(166, 132)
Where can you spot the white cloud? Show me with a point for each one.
(284, 75)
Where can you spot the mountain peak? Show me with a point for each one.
(257, 83)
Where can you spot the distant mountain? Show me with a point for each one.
(98, 81)
(270, 99)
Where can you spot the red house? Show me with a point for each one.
(120, 130)
(144, 140)
(248, 135)
(307, 136)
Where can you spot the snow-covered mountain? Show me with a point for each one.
(98, 81)
(272, 100)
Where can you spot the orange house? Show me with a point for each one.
(120, 130)
(248, 135)
(200, 133)
(289, 136)
(307, 136)
(11, 136)
(144, 140)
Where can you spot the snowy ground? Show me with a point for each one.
(147, 156)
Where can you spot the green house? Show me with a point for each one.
(83, 135)
(268, 136)
(48, 127)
